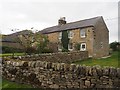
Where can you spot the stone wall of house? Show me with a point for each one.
(101, 40)
(60, 75)
(61, 57)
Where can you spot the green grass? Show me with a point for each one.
(110, 61)
(10, 54)
(8, 84)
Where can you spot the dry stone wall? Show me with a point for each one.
(42, 74)
(61, 57)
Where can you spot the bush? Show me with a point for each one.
(6, 49)
(47, 50)
(30, 50)
(115, 46)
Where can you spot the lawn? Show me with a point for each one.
(12, 85)
(110, 61)
(10, 54)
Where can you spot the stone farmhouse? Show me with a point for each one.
(90, 35)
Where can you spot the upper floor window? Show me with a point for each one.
(82, 33)
(60, 35)
(70, 34)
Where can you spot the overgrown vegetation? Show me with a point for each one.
(110, 61)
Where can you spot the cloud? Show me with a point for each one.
(24, 14)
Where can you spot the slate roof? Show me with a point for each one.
(13, 37)
(72, 25)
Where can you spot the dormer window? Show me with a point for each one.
(82, 33)
(60, 35)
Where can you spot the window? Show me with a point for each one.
(83, 47)
(82, 33)
(60, 35)
(70, 46)
(70, 34)
(59, 47)
(101, 44)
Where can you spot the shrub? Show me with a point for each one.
(115, 46)
(6, 49)
(47, 50)
(30, 50)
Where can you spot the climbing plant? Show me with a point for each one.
(65, 40)
(77, 46)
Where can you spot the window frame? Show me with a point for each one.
(81, 49)
(60, 49)
(83, 29)
(70, 34)
(69, 46)
(60, 35)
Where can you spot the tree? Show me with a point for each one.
(33, 42)
(41, 42)
(115, 46)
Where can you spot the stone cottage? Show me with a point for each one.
(90, 35)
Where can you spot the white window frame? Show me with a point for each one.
(70, 34)
(69, 46)
(59, 49)
(84, 33)
(81, 49)
(60, 35)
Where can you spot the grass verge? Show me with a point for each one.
(112, 61)
(9, 84)
(10, 54)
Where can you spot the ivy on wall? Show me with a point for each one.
(77, 46)
(65, 40)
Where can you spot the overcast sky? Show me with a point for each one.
(24, 14)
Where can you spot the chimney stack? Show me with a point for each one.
(62, 21)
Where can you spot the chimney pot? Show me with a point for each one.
(61, 21)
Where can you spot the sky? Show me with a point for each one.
(25, 14)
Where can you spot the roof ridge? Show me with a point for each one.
(71, 25)
(84, 20)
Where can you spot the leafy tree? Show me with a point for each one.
(41, 42)
(115, 46)
(33, 42)
(26, 42)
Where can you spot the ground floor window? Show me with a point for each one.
(70, 46)
(83, 46)
(59, 47)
